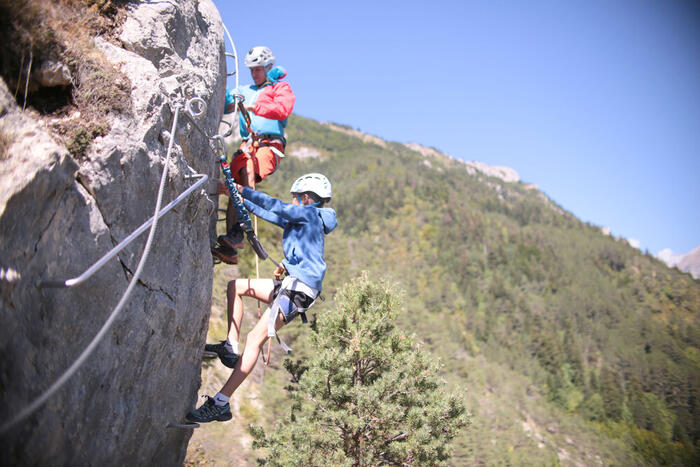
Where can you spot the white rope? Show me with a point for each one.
(39, 401)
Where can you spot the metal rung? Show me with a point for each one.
(183, 425)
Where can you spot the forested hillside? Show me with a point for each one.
(574, 347)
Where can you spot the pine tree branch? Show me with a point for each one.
(399, 437)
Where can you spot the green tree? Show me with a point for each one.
(613, 397)
(369, 395)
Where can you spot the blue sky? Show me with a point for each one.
(595, 102)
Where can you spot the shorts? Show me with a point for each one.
(292, 303)
(265, 161)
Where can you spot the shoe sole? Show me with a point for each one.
(225, 241)
(229, 365)
(224, 258)
(211, 354)
(221, 418)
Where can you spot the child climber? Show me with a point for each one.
(305, 222)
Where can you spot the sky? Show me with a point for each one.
(596, 102)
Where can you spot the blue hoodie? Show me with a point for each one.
(303, 237)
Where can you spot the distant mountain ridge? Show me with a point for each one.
(504, 173)
(686, 262)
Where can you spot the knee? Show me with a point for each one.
(256, 336)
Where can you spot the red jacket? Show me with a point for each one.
(275, 102)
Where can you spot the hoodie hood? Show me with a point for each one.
(328, 218)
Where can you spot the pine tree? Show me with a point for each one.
(368, 396)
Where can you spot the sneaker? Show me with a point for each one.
(233, 239)
(209, 412)
(227, 358)
(225, 254)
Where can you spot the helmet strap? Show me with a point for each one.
(302, 204)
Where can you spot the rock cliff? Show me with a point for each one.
(59, 213)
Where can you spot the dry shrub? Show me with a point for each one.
(36, 31)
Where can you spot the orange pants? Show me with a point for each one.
(265, 161)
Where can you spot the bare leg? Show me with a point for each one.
(253, 345)
(248, 173)
(237, 289)
(231, 216)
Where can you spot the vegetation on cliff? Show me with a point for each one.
(50, 62)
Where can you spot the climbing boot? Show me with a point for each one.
(225, 254)
(229, 359)
(209, 411)
(233, 239)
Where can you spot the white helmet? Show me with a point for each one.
(259, 56)
(315, 183)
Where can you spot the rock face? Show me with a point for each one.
(59, 215)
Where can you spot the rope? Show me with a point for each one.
(39, 401)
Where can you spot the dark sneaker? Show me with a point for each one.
(225, 254)
(227, 358)
(233, 239)
(209, 411)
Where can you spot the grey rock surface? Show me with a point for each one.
(52, 73)
(59, 215)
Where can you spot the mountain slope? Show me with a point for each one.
(576, 348)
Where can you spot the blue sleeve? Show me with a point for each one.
(263, 214)
(286, 211)
(229, 107)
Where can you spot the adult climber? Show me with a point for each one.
(306, 222)
(269, 102)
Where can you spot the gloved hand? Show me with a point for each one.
(276, 73)
(230, 102)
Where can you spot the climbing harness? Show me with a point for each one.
(254, 136)
(283, 303)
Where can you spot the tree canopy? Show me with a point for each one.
(369, 394)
